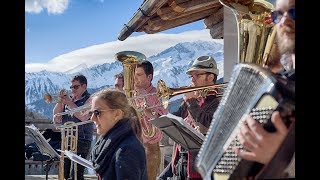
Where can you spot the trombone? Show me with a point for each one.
(164, 93)
(207, 90)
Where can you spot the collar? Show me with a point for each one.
(148, 89)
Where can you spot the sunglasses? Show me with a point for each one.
(196, 76)
(97, 112)
(75, 86)
(277, 15)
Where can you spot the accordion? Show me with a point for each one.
(252, 90)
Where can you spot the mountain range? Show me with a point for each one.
(169, 65)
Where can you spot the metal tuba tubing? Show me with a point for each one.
(255, 29)
(69, 141)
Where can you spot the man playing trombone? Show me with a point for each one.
(196, 111)
(79, 97)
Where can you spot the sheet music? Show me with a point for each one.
(185, 124)
(179, 131)
(43, 145)
(78, 159)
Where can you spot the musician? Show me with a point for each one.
(79, 96)
(151, 135)
(259, 145)
(198, 112)
(119, 81)
(119, 152)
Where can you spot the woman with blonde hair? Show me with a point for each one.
(118, 152)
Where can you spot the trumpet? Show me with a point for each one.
(48, 98)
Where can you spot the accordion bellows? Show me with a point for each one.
(253, 90)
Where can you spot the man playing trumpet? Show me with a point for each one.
(79, 97)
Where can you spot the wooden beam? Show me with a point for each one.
(216, 31)
(142, 15)
(175, 15)
(191, 5)
(174, 3)
(156, 24)
(216, 17)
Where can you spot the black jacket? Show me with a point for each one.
(119, 154)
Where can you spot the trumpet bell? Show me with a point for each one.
(48, 98)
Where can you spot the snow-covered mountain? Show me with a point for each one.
(170, 65)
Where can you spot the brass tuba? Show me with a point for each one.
(129, 60)
(256, 32)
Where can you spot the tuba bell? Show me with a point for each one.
(129, 60)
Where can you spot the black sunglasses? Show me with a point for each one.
(277, 15)
(75, 86)
(97, 112)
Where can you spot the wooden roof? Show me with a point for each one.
(154, 16)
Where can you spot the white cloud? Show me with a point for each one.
(52, 6)
(148, 44)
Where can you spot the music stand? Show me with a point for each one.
(179, 131)
(44, 147)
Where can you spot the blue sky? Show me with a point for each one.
(55, 28)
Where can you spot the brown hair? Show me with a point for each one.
(147, 67)
(118, 100)
(119, 75)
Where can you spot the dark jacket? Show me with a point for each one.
(85, 131)
(202, 116)
(119, 154)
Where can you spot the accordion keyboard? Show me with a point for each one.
(230, 160)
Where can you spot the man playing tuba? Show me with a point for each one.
(151, 135)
